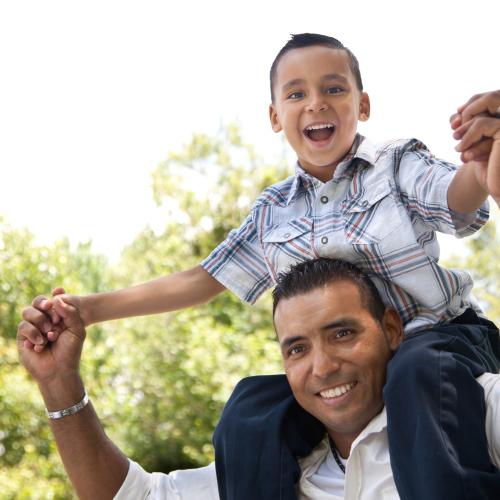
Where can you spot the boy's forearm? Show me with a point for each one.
(169, 293)
(465, 193)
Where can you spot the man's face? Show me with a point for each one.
(335, 355)
(317, 104)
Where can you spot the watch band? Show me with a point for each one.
(55, 415)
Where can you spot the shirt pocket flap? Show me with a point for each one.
(372, 196)
(287, 231)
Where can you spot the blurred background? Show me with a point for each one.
(133, 137)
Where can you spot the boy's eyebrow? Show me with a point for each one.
(327, 78)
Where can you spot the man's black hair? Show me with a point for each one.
(307, 40)
(313, 274)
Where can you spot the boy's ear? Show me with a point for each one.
(273, 118)
(364, 107)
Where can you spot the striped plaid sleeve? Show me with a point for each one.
(238, 263)
(424, 181)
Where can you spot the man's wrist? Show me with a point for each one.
(62, 392)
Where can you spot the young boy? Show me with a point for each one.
(378, 207)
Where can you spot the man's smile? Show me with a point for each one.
(337, 391)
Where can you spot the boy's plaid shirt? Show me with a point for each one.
(380, 211)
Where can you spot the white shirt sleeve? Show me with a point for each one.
(189, 484)
(491, 386)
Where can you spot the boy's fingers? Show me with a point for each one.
(478, 152)
(70, 315)
(58, 291)
(479, 128)
(484, 103)
(471, 100)
(455, 120)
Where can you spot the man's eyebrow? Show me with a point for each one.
(341, 323)
(290, 340)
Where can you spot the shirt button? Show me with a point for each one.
(286, 235)
(324, 199)
(364, 203)
(324, 240)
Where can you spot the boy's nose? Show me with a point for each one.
(317, 103)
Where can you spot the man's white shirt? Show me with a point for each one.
(368, 473)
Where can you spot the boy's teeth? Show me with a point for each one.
(337, 391)
(317, 127)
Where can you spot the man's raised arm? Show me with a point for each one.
(96, 467)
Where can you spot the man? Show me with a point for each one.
(336, 338)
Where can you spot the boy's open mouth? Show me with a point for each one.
(320, 132)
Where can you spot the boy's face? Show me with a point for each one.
(317, 105)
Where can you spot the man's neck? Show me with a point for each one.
(343, 443)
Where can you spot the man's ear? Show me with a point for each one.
(273, 118)
(364, 107)
(393, 328)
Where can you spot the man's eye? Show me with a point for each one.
(334, 90)
(295, 95)
(342, 334)
(296, 349)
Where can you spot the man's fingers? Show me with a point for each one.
(28, 331)
(38, 319)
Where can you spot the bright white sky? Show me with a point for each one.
(94, 94)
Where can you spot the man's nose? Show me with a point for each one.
(325, 363)
(317, 102)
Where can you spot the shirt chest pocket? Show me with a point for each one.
(288, 243)
(374, 216)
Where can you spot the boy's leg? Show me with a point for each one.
(251, 458)
(436, 412)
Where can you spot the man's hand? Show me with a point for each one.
(50, 329)
(477, 126)
(60, 358)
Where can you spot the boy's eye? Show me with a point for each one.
(295, 95)
(334, 90)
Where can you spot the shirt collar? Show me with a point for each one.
(362, 149)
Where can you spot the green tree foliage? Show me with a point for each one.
(482, 261)
(159, 383)
(30, 467)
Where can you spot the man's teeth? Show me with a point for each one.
(318, 127)
(337, 391)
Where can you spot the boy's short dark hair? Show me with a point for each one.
(312, 274)
(307, 40)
